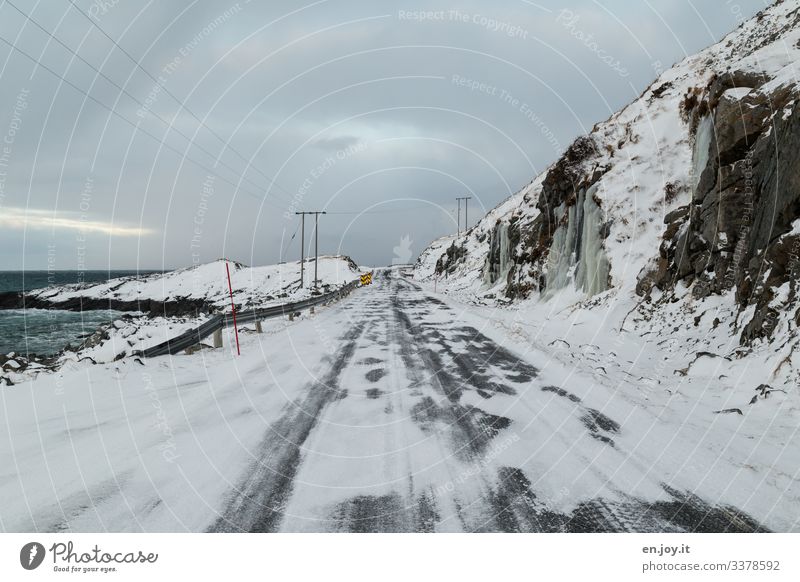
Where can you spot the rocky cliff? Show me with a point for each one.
(683, 207)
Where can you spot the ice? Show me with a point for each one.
(500, 245)
(577, 253)
(562, 252)
(593, 266)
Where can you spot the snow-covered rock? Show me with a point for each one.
(673, 222)
(201, 288)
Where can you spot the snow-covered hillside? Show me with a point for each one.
(671, 232)
(207, 284)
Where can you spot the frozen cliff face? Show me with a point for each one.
(498, 261)
(557, 239)
(700, 151)
(593, 268)
(736, 233)
(577, 256)
(561, 258)
(690, 192)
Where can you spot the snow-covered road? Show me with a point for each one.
(390, 411)
(418, 424)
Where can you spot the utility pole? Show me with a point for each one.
(466, 200)
(316, 243)
(458, 228)
(316, 248)
(302, 245)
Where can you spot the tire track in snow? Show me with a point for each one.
(258, 503)
(514, 506)
(469, 430)
(442, 365)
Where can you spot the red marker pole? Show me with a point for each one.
(233, 307)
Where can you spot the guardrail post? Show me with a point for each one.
(312, 310)
(291, 316)
(218, 338)
(258, 326)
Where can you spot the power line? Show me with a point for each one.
(344, 212)
(289, 244)
(180, 102)
(123, 118)
(132, 97)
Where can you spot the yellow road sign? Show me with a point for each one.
(366, 279)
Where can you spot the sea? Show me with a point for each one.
(47, 331)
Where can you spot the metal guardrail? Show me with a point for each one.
(196, 335)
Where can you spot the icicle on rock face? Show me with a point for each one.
(562, 252)
(577, 254)
(593, 266)
(702, 146)
(498, 262)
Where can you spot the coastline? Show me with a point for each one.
(150, 309)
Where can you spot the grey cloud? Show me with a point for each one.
(361, 78)
(335, 144)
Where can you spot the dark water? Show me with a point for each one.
(46, 331)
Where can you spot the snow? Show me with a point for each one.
(647, 353)
(136, 334)
(737, 93)
(142, 446)
(159, 444)
(151, 444)
(253, 286)
(649, 146)
(471, 273)
(749, 461)
(163, 444)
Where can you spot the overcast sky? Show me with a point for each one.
(369, 110)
